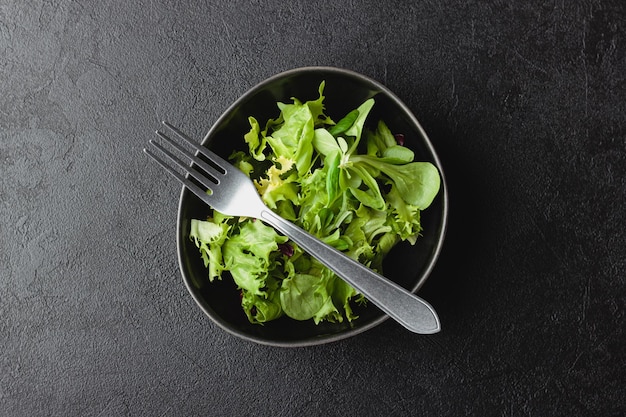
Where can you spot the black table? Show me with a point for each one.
(524, 101)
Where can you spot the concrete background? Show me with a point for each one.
(525, 103)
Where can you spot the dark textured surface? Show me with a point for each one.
(524, 101)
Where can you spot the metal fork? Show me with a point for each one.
(231, 192)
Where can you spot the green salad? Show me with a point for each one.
(357, 189)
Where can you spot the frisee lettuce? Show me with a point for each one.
(354, 188)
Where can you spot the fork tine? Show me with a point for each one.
(185, 181)
(214, 173)
(197, 175)
(217, 160)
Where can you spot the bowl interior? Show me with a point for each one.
(407, 265)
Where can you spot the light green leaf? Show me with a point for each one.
(301, 296)
(343, 145)
(209, 236)
(256, 142)
(263, 309)
(331, 164)
(363, 110)
(397, 154)
(247, 255)
(371, 196)
(317, 108)
(324, 142)
(417, 182)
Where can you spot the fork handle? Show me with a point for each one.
(403, 306)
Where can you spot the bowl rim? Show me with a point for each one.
(316, 340)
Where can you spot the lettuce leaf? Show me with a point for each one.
(305, 296)
(209, 236)
(247, 255)
(354, 188)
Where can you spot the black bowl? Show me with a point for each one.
(407, 265)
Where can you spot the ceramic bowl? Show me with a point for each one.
(407, 265)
